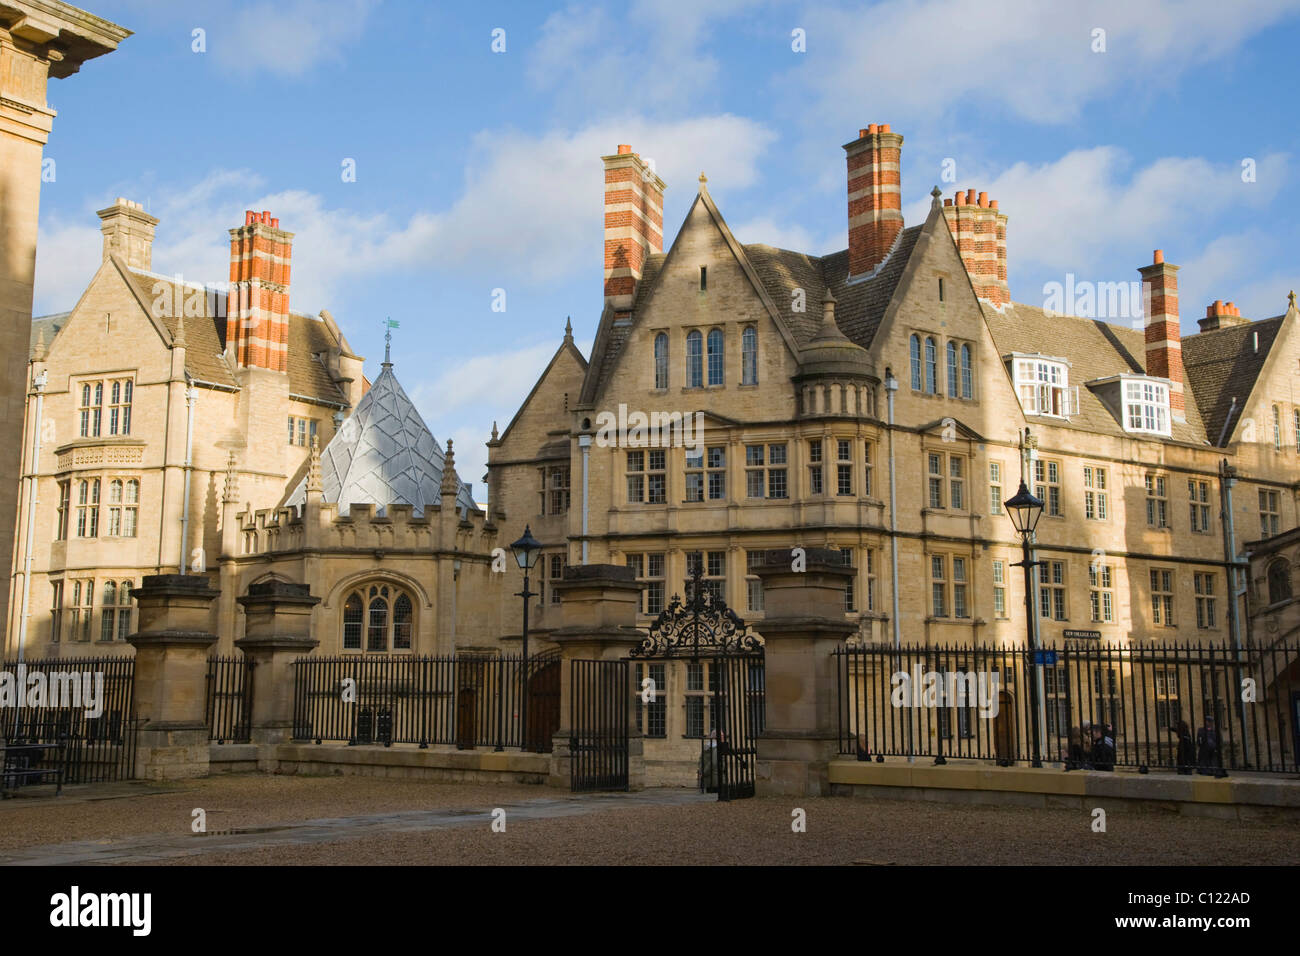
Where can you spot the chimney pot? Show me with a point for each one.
(248, 217)
(1158, 257)
(947, 202)
(884, 127)
(862, 133)
(984, 199)
(970, 197)
(624, 149)
(275, 223)
(993, 204)
(873, 129)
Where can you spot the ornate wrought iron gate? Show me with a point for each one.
(723, 655)
(598, 723)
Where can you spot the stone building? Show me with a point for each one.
(167, 424)
(884, 401)
(39, 41)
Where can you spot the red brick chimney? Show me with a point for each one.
(980, 232)
(257, 312)
(1164, 342)
(634, 223)
(875, 196)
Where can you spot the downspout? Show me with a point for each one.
(39, 383)
(891, 386)
(1228, 478)
(191, 397)
(584, 442)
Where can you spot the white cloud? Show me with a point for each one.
(1069, 214)
(530, 210)
(768, 231)
(1032, 59)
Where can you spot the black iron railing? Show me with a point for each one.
(465, 700)
(1196, 708)
(229, 699)
(80, 708)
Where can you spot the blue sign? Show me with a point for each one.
(1046, 658)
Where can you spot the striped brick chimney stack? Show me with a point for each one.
(257, 312)
(980, 232)
(1164, 357)
(875, 196)
(634, 223)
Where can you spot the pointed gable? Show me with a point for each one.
(383, 454)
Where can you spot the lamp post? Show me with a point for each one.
(1025, 510)
(526, 551)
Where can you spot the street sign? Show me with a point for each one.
(1045, 658)
(1083, 635)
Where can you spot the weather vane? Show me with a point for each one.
(389, 324)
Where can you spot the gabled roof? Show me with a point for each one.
(565, 346)
(1095, 350)
(383, 454)
(1224, 364)
(860, 305)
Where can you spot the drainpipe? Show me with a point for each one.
(584, 442)
(191, 397)
(891, 386)
(39, 383)
(1227, 479)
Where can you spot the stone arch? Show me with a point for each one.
(396, 578)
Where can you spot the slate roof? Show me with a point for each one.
(1223, 365)
(383, 454)
(1095, 350)
(51, 325)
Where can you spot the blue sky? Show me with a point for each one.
(478, 170)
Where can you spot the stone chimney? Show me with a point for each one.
(634, 223)
(875, 196)
(1221, 315)
(128, 232)
(257, 313)
(1164, 358)
(980, 232)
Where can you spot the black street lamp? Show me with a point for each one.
(1025, 510)
(526, 550)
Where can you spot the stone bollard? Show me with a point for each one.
(598, 605)
(277, 630)
(171, 670)
(803, 623)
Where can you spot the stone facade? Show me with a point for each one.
(788, 358)
(38, 41)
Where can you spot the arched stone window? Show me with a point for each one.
(715, 357)
(749, 356)
(1279, 581)
(967, 374)
(951, 350)
(931, 367)
(918, 382)
(661, 360)
(695, 360)
(381, 615)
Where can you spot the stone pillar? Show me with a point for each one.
(598, 609)
(171, 670)
(38, 40)
(803, 623)
(277, 629)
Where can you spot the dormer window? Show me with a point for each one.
(1146, 406)
(1043, 385)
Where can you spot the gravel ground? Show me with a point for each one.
(748, 832)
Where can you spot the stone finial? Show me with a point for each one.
(568, 329)
(1290, 300)
(38, 353)
(450, 480)
(231, 492)
(178, 337)
(494, 431)
(937, 194)
(314, 481)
